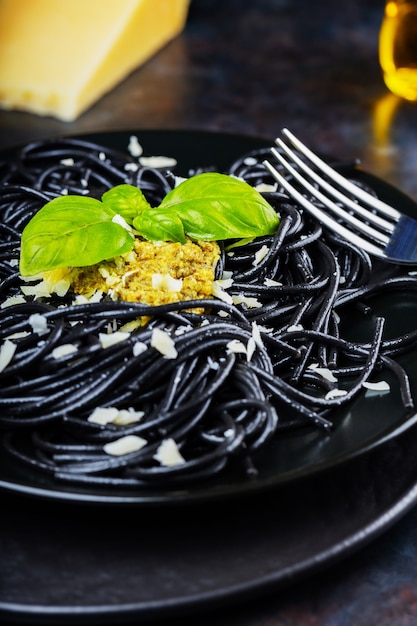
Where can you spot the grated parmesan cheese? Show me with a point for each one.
(158, 162)
(134, 147)
(250, 302)
(119, 219)
(250, 350)
(270, 282)
(19, 335)
(380, 387)
(113, 415)
(218, 291)
(293, 328)
(325, 372)
(7, 350)
(110, 339)
(64, 350)
(256, 334)
(236, 347)
(131, 167)
(12, 300)
(164, 343)
(166, 282)
(335, 393)
(139, 347)
(225, 283)
(260, 255)
(266, 187)
(124, 445)
(168, 454)
(39, 324)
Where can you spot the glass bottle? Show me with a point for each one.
(398, 47)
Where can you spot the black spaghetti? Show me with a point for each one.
(266, 356)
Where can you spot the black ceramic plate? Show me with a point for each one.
(369, 422)
(63, 563)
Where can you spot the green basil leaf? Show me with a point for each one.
(71, 231)
(216, 206)
(126, 200)
(160, 225)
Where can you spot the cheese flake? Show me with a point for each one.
(218, 291)
(164, 343)
(139, 347)
(266, 187)
(270, 282)
(166, 282)
(119, 219)
(158, 162)
(335, 393)
(7, 350)
(256, 334)
(293, 328)
(250, 349)
(124, 445)
(324, 372)
(11, 301)
(64, 350)
(134, 147)
(39, 324)
(236, 347)
(110, 339)
(260, 255)
(40, 290)
(250, 302)
(113, 415)
(380, 387)
(168, 454)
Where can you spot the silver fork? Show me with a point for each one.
(363, 219)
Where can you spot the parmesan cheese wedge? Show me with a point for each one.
(57, 58)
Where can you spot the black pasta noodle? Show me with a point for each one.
(248, 369)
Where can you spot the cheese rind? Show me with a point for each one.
(58, 57)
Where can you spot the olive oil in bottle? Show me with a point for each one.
(398, 48)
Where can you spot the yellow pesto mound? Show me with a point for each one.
(152, 273)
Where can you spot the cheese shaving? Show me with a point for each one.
(110, 339)
(166, 282)
(380, 387)
(39, 324)
(11, 301)
(218, 291)
(134, 147)
(236, 347)
(64, 350)
(164, 343)
(7, 350)
(324, 372)
(158, 162)
(124, 445)
(113, 415)
(260, 255)
(335, 393)
(139, 347)
(168, 454)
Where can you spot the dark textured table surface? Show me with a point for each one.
(253, 67)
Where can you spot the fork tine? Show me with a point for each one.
(377, 220)
(367, 230)
(321, 215)
(381, 206)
